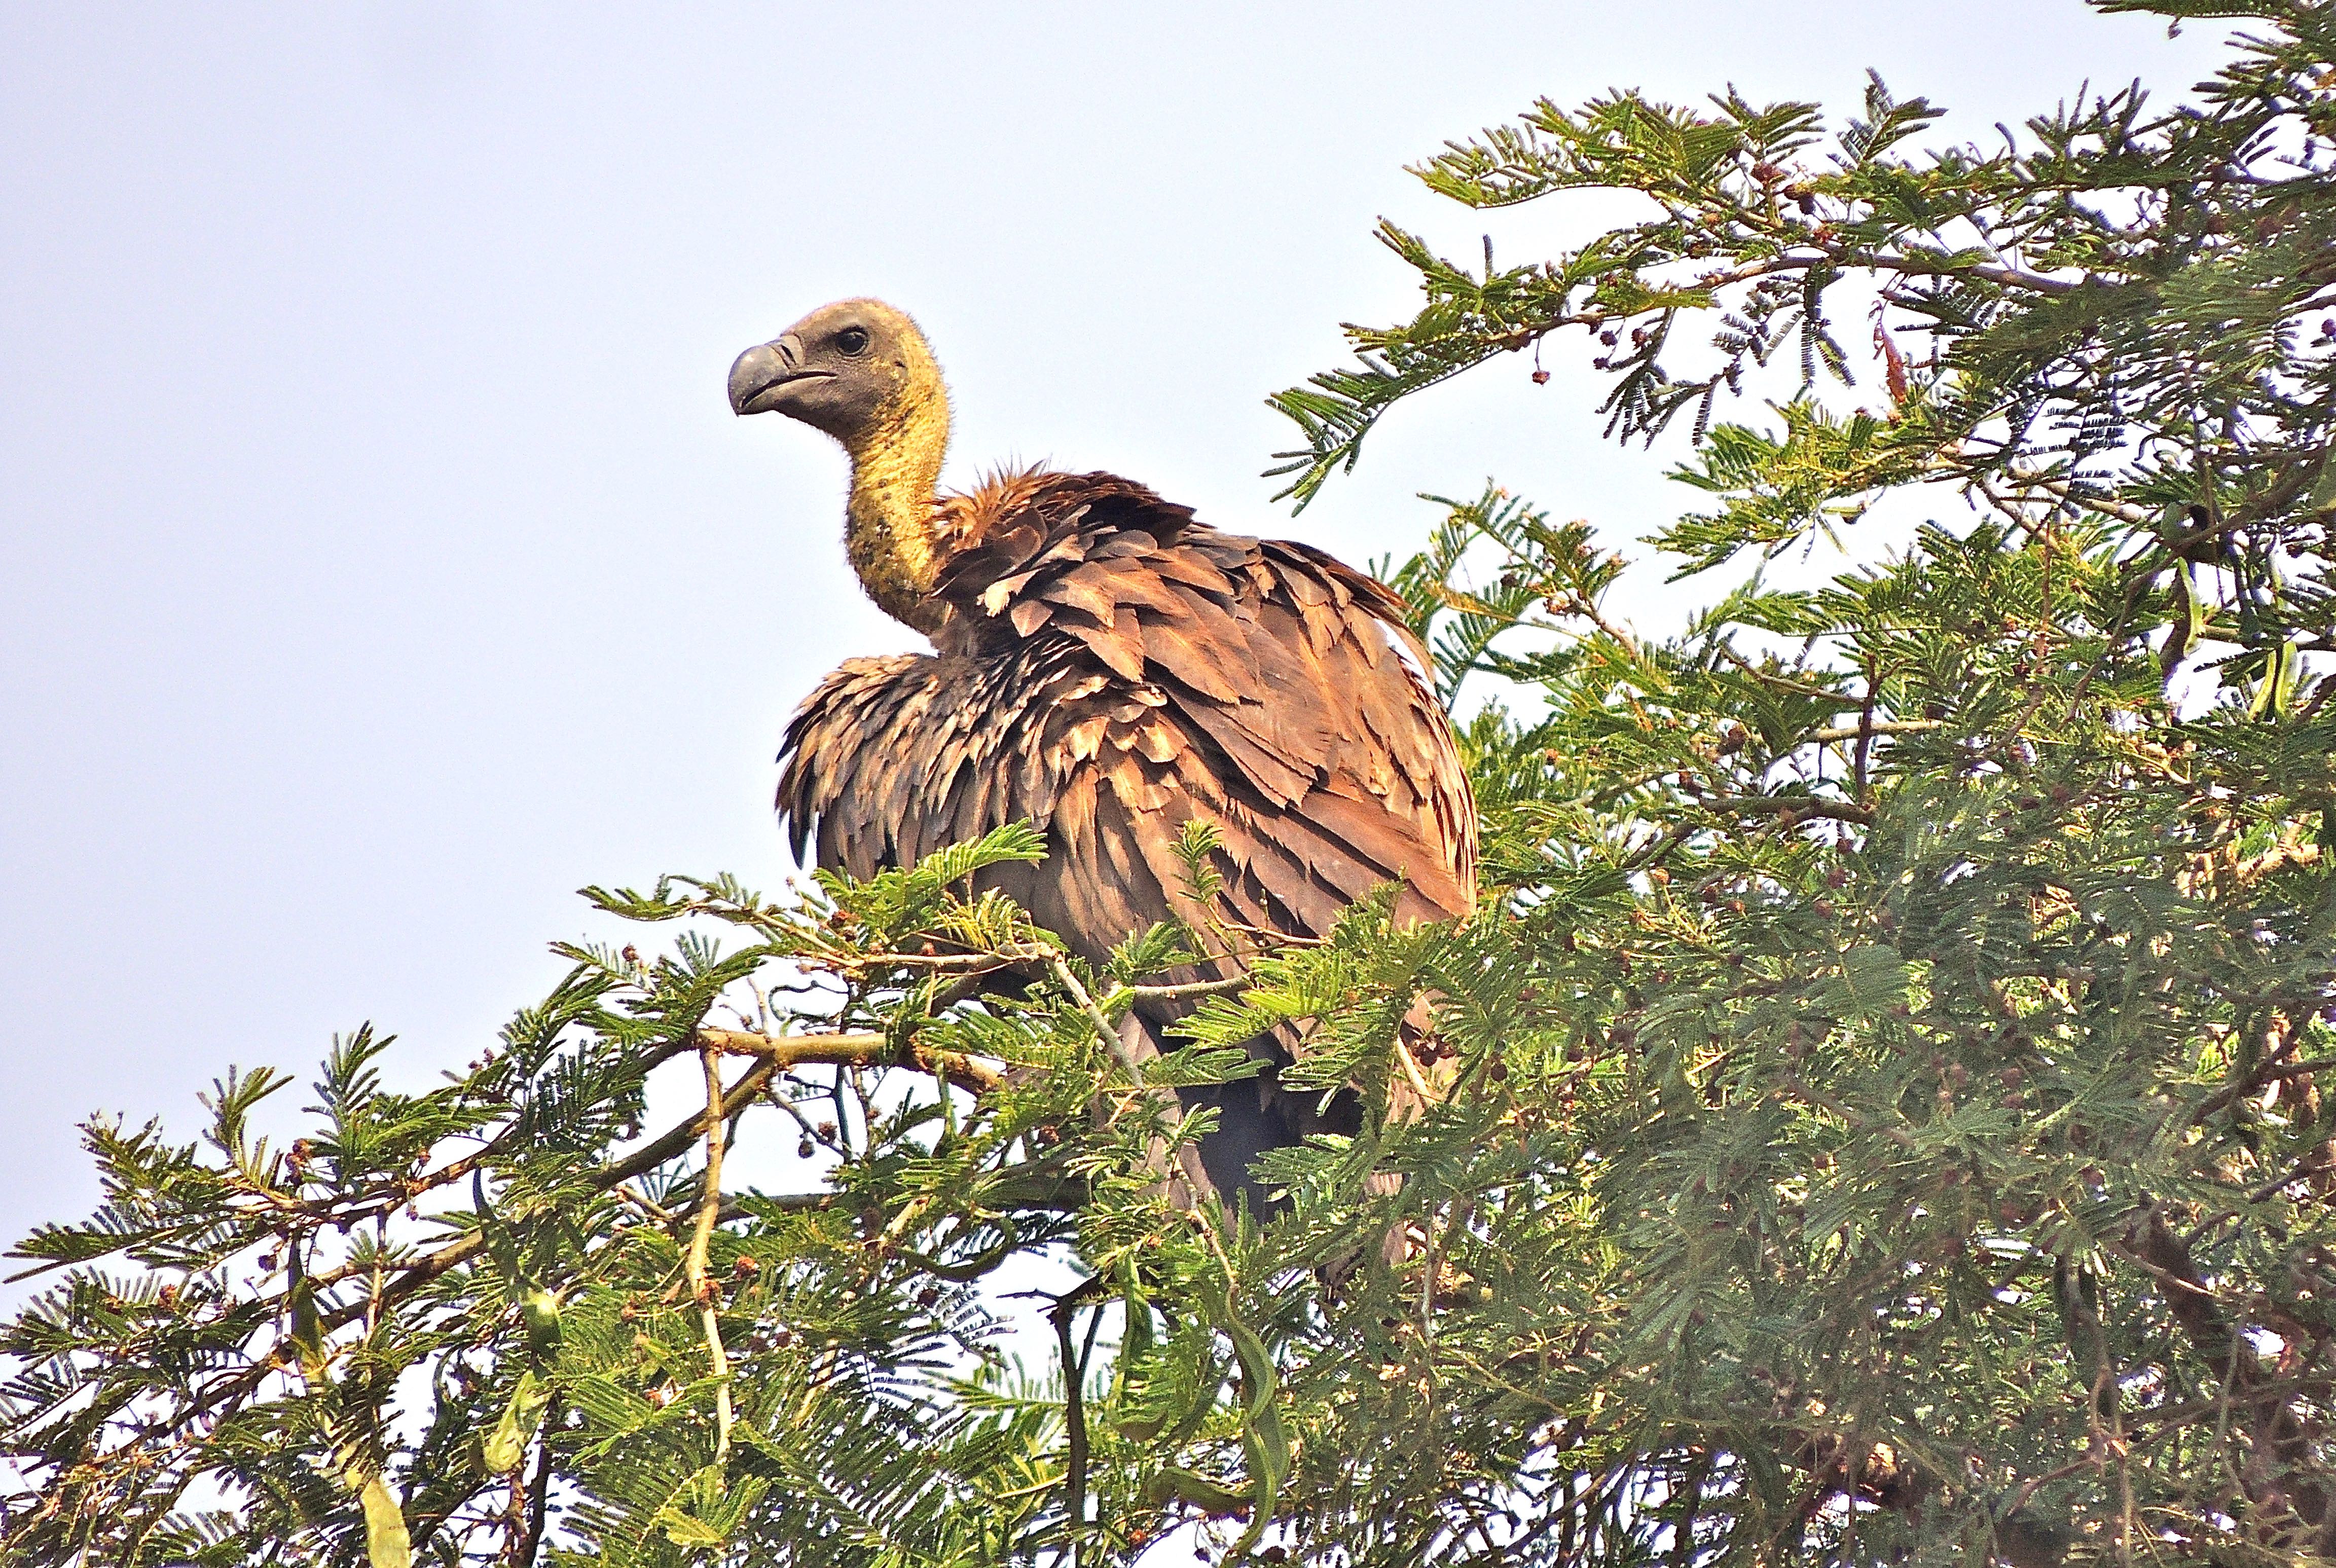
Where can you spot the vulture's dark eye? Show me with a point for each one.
(853, 340)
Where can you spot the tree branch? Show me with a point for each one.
(857, 1048)
(704, 1291)
(1799, 805)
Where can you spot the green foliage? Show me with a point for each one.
(1874, 1114)
(446, 1317)
(1904, 1143)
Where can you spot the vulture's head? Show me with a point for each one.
(858, 369)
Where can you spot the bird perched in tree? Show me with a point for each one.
(1108, 668)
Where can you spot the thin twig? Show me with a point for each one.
(2122, 511)
(383, 1197)
(540, 1490)
(1411, 1071)
(1095, 1016)
(701, 1241)
(1074, 1417)
(1576, 604)
(1799, 805)
(2312, 1164)
(1164, 1100)
(2127, 605)
(1822, 1101)
(674, 1139)
(2010, 510)
(1863, 751)
(1782, 682)
(1679, 833)
(1179, 993)
(2034, 1484)
(859, 1048)
(944, 963)
(1880, 727)
(657, 1212)
(1919, 267)
(2270, 1069)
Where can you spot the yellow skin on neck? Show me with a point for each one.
(890, 529)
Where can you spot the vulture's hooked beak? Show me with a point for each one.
(759, 378)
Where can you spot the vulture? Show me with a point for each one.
(1108, 667)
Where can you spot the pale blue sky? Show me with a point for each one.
(379, 560)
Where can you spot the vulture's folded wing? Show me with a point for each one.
(1110, 670)
(1185, 673)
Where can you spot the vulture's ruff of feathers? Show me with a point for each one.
(1109, 668)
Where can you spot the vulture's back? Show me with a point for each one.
(1109, 669)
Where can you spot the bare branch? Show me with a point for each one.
(853, 1050)
(703, 1290)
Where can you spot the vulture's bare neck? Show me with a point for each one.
(889, 527)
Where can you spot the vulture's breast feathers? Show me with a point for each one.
(1109, 668)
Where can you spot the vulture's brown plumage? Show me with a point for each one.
(1108, 668)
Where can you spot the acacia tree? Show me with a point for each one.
(1874, 1111)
